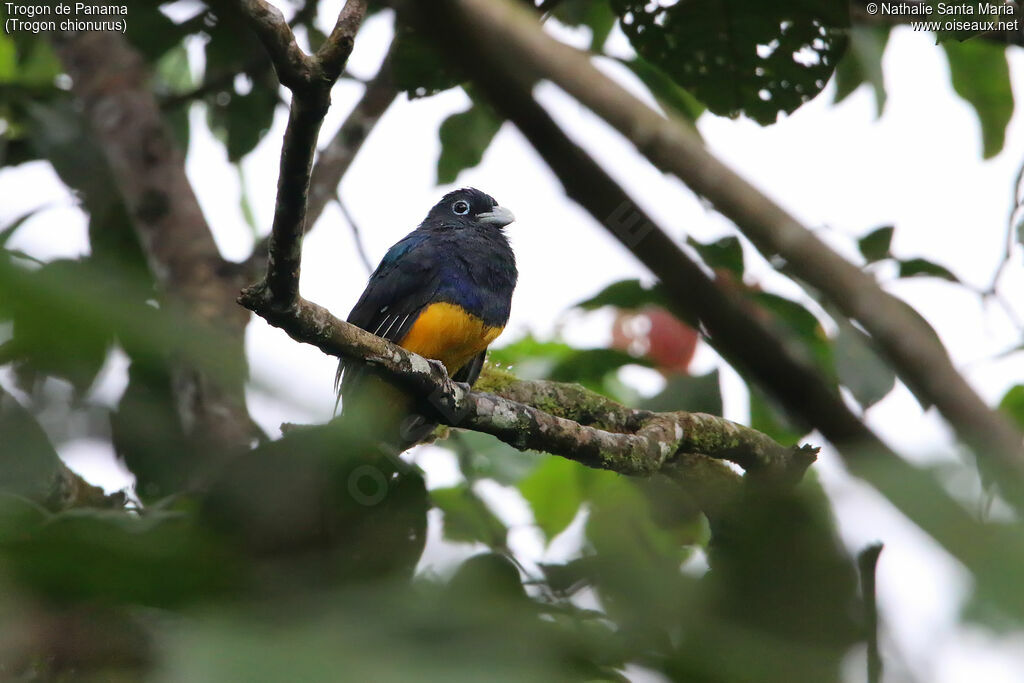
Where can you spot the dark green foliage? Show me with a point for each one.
(862, 63)
(860, 368)
(627, 294)
(596, 15)
(467, 518)
(722, 254)
(465, 137)
(741, 58)
(981, 75)
(673, 98)
(693, 393)
(874, 246)
(919, 267)
(418, 68)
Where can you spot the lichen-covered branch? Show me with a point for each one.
(562, 419)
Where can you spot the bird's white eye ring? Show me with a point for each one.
(460, 208)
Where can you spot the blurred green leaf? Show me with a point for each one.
(722, 254)
(175, 76)
(875, 245)
(54, 339)
(117, 557)
(919, 267)
(981, 75)
(7, 231)
(763, 60)
(862, 63)
(767, 417)
(554, 494)
(29, 464)
(861, 370)
(626, 294)
(467, 518)
(668, 93)
(800, 322)
(596, 15)
(1012, 404)
(247, 118)
(589, 367)
(482, 456)
(692, 393)
(417, 68)
(465, 137)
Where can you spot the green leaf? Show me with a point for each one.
(722, 254)
(590, 366)
(692, 393)
(465, 137)
(417, 68)
(860, 368)
(249, 117)
(669, 94)
(175, 76)
(466, 518)
(797, 320)
(8, 230)
(753, 58)
(596, 15)
(981, 75)
(28, 462)
(919, 267)
(768, 417)
(1012, 404)
(482, 456)
(8, 59)
(626, 294)
(530, 357)
(862, 63)
(554, 494)
(875, 245)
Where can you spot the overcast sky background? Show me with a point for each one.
(837, 168)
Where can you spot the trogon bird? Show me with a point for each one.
(444, 292)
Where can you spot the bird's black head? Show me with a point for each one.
(468, 207)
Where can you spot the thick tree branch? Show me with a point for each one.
(625, 440)
(310, 79)
(515, 40)
(110, 81)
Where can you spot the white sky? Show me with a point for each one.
(835, 167)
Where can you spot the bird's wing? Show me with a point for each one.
(403, 285)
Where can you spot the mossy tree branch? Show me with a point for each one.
(561, 419)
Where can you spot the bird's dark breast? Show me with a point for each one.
(480, 277)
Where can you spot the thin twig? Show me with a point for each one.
(867, 563)
(356, 234)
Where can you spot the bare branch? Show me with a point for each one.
(514, 38)
(294, 67)
(310, 79)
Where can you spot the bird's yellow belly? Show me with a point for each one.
(450, 334)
